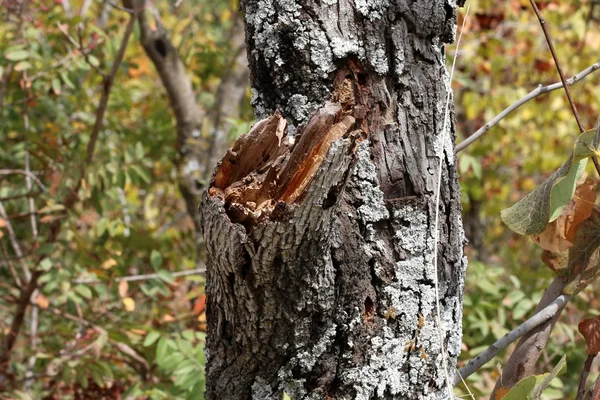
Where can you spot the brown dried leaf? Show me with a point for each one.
(168, 318)
(46, 219)
(501, 392)
(123, 288)
(557, 262)
(42, 301)
(55, 179)
(584, 257)
(560, 233)
(590, 330)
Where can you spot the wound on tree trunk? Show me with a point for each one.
(319, 222)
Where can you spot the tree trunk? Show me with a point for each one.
(319, 223)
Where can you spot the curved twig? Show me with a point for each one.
(544, 315)
(530, 96)
(26, 173)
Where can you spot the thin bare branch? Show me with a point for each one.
(108, 82)
(126, 214)
(32, 211)
(26, 173)
(55, 65)
(15, 243)
(544, 315)
(33, 341)
(585, 371)
(540, 90)
(20, 196)
(84, 8)
(11, 266)
(17, 323)
(67, 7)
(557, 63)
(81, 48)
(562, 75)
(596, 392)
(133, 278)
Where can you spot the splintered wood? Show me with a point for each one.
(265, 167)
(266, 170)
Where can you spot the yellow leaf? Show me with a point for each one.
(123, 286)
(1, 234)
(129, 303)
(2, 223)
(108, 263)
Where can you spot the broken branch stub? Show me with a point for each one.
(267, 170)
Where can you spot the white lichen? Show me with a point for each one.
(299, 107)
(320, 51)
(379, 61)
(372, 9)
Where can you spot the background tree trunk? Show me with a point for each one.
(319, 222)
(201, 134)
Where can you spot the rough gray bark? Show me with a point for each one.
(319, 222)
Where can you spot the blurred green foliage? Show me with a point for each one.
(128, 217)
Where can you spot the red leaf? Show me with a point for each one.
(590, 330)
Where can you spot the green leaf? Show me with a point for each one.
(185, 368)
(65, 78)
(17, 55)
(522, 390)
(532, 213)
(558, 370)
(166, 276)
(97, 374)
(102, 339)
(171, 361)
(93, 60)
(162, 350)
(155, 259)
(139, 150)
(22, 66)
(198, 390)
(75, 20)
(150, 338)
(84, 291)
(188, 335)
(56, 86)
(531, 387)
(141, 173)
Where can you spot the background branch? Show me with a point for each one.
(561, 74)
(532, 344)
(548, 313)
(540, 90)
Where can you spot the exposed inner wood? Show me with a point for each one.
(266, 167)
